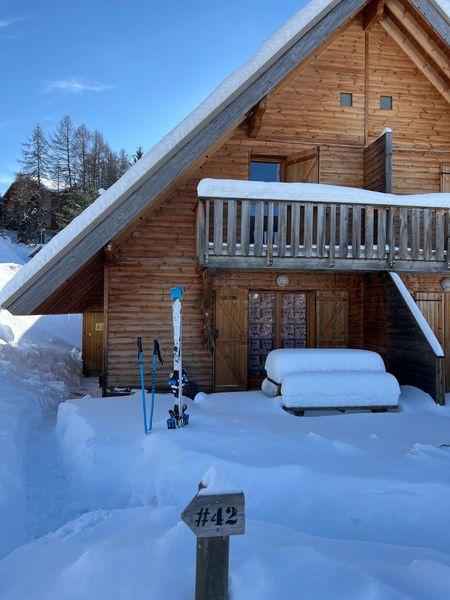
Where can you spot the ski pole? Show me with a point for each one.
(156, 357)
(141, 372)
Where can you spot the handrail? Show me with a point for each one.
(231, 189)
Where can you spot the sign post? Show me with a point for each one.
(213, 518)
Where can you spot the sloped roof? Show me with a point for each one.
(141, 184)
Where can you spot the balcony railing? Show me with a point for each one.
(395, 233)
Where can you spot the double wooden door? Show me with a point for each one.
(252, 323)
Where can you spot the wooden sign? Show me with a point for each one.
(216, 515)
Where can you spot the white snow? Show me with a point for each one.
(284, 361)
(337, 505)
(327, 390)
(417, 314)
(444, 7)
(232, 86)
(38, 368)
(313, 192)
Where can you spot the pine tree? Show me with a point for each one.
(138, 154)
(62, 142)
(35, 159)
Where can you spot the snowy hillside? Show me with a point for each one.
(39, 365)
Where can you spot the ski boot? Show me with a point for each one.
(171, 422)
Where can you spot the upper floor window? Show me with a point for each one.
(346, 99)
(386, 102)
(266, 169)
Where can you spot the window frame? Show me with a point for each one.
(262, 158)
(391, 106)
(346, 94)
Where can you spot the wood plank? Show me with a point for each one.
(259, 228)
(343, 231)
(231, 228)
(368, 232)
(356, 231)
(427, 234)
(282, 228)
(332, 241)
(321, 228)
(295, 234)
(440, 235)
(381, 233)
(309, 229)
(245, 227)
(270, 233)
(218, 227)
(390, 234)
(403, 249)
(415, 234)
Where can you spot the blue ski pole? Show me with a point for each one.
(156, 357)
(141, 372)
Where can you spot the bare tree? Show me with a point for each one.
(35, 159)
(62, 142)
(81, 149)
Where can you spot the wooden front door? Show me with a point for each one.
(93, 326)
(332, 319)
(277, 320)
(230, 357)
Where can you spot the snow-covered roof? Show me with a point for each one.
(313, 192)
(230, 89)
(275, 46)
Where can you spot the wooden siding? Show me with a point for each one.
(378, 164)
(391, 330)
(160, 249)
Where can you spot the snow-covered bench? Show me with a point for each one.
(316, 378)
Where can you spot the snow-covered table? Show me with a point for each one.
(316, 378)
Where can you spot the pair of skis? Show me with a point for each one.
(148, 425)
(178, 417)
(178, 378)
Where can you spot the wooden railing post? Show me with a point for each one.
(201, 228)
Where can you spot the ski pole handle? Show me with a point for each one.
(139, 345)
(157, 351)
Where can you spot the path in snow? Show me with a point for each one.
(46, 492)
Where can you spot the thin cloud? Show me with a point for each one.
(7, 22)
(73, 85)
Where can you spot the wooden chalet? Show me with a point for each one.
(348, 93)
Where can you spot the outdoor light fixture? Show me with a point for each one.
(283, 281)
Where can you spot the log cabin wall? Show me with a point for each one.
(390, 329)
(160, 250)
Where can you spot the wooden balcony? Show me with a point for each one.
(292, 227)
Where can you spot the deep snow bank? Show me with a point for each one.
(345, 506)
(39, 366)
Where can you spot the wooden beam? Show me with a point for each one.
(420, 61)
(401, 13)
(173, 165)
(372, 14)
(256, 117)
(434, 15)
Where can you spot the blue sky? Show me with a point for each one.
(131, 69)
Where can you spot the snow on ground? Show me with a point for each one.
(338, 505)
(38, 368)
